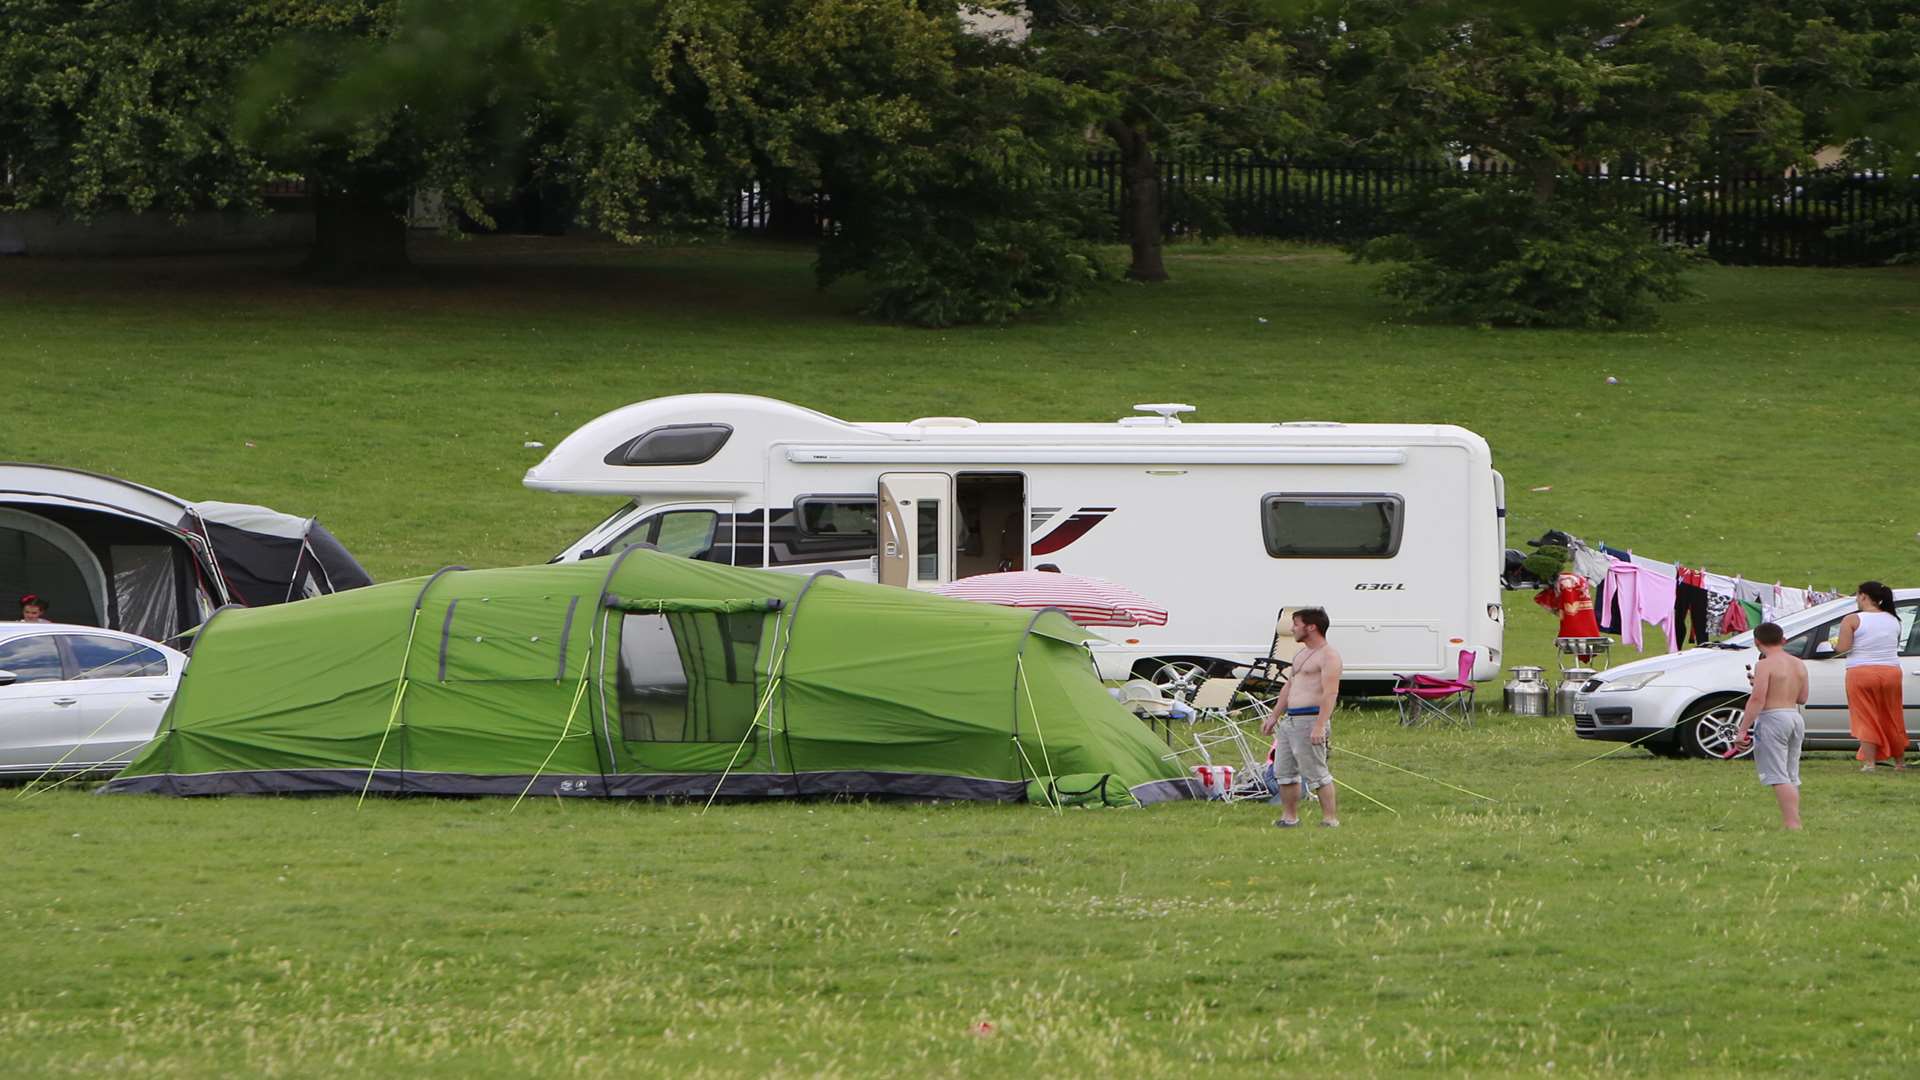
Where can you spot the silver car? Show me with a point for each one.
(1690, 702)
(77, 699)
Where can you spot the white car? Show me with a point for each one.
(1690, 702)
(77, 699)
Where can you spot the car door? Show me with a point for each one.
(1909, 612)
(124, 687)
(39, 711)
(1826, 709)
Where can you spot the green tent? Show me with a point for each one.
(648, 675)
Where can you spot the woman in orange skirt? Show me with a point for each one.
(1870, 638)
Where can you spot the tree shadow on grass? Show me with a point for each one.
(482, 275)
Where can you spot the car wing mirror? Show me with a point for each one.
(8, 678)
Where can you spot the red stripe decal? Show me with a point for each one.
(1069, 530)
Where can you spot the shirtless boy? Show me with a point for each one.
(1773, 721)
(1301, 717)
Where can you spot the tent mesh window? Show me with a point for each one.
(689, 677)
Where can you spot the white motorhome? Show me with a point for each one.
(1398, 530)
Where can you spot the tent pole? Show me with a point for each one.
(1020, 686)
(793, 619)
(1020, 667)
(773, 683)
(566, 729)
(400, 688)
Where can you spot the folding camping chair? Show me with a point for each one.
(1225, 732)
(1261, 681)
(1423, 698)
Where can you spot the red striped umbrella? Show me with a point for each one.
(1087, 601)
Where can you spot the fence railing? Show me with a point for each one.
(1827, 217)
(1830, 217)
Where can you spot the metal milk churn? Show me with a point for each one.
(1525, 694)
(1571, 680)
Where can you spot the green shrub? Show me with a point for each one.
(948, 258)
(1489, 253)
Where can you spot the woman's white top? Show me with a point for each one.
(1877, 641)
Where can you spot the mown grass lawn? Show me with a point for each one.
(1632, 916)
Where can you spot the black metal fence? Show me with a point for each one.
(1830, 217)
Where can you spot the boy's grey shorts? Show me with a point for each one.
(1777, 735)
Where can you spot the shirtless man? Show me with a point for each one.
(1301, 717)
(1773, 722)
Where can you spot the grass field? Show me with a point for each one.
(1632, 916)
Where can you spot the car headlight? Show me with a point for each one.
(1631, 682)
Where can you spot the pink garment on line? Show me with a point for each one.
(1645, 596)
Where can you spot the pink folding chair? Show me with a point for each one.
(1424, 698)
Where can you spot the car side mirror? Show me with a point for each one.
(8, 678)
(1824, 648)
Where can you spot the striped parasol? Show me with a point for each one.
(1087, 601)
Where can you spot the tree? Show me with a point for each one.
(1555, 89)
(1176, 75)
(108, 106)
(932, 147)
(372, 100)
(1549, 87)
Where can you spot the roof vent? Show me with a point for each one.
(944, 422)
(1168, 413)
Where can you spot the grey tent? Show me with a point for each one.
(108, 552)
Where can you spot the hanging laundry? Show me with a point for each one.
(1734, 620)
(1644, 596)
(1755, 614)
(1607, 613)
(1570, 598)
(1695, 578)
(1719, 597)
(1591, 564)
(1690, 614)
(1788, 600)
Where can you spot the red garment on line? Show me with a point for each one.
(1572, 599)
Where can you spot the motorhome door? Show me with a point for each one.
(916, 529)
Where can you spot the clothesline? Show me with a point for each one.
(1683, 601)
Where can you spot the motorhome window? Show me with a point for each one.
(1332, 526)
(111, 658)
(927, 541)
(832, 517)
(788, 544)
(653, 681)
(675, 444)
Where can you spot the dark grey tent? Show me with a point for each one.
(102, 551)
(267, 557)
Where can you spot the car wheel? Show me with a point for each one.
(1179, 678)
(1709, 728)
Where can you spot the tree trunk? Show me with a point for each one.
(789, 218)
(1140, 217)
(356, 234)
(1546, 175)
